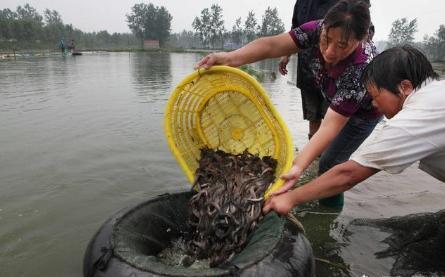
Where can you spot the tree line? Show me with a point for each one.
(25, 28)
(403, 30)
(210, 29)
(151, 22)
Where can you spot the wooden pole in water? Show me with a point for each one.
(13, 50)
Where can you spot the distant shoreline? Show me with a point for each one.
(10, 52)
(439, 66)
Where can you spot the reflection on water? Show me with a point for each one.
(151, 72)
(81, 137)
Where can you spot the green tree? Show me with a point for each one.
(163, 22)
(435, 46)
(237, 32)
(185, 39)
(217, 29)
(271, 23)
(202, 27)
(210, 26)
(250, 26)
(136, 20)
(7, 17)
(52, 17)
(402, 32)
(29, 23)
(103, 38)
(54, 28)
(150, 22)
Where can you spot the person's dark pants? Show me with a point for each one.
(347, 141)
(314, 104)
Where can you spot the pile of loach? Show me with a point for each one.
(227, 205)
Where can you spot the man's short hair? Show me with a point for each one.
(388, 69)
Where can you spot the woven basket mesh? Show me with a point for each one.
(225, 108)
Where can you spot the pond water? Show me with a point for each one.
(82, 137)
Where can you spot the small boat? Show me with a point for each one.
(76, 53)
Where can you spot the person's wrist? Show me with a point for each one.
(223, 58)
(297, 169)
(293, 198)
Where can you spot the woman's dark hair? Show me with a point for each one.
(388, 69)
(350, 15)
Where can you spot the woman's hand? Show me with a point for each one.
(281, 204)
(220, 58)
(283, 64)
(290, 178)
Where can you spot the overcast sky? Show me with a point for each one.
(97, 15)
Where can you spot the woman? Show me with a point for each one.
(404, 87)
(340, 51)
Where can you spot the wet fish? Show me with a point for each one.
(227, 205)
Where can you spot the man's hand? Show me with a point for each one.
(282, 65)
(281, 204)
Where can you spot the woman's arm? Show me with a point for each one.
(338, 179)
(330, 127)
(259, 49)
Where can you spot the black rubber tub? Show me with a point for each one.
(128, 242)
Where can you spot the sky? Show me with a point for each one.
(97, 15)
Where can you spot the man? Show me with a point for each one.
(313, 102)
(405, 88)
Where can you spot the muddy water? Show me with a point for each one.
(82, 137)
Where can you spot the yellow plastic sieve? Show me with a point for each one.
(225, 108)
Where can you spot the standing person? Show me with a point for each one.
(72, 46)
(405, 88)
(62, 46)
(313, 103)
(340, 50)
